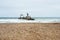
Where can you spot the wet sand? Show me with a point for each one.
(29, 31)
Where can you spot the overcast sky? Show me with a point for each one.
(36, 8)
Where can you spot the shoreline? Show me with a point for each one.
(32, 23)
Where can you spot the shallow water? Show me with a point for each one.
(37, 20)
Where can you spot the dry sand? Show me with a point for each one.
(30, 31)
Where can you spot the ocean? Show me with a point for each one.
(37, 20)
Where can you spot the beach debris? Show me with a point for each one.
(27, 17)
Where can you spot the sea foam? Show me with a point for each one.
(30, 21)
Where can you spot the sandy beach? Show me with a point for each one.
(29, 31)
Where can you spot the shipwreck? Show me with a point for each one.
(27, 17)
